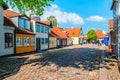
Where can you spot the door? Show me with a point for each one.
(38, 44)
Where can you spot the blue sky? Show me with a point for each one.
(88, 14)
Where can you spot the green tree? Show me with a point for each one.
(35, 6)
(53, 20)
(91, 35)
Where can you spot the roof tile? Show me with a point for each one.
(73, 32)
(100, 34)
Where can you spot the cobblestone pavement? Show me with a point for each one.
(69, 63)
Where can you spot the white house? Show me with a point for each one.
(6, 34)
(41, 30)
(75, 34)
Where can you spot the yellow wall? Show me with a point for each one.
(23, 49)
(52, 39)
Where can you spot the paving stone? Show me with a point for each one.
(69, 63)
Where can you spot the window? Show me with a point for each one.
(46, 29)
(8, 40)
(27, 24)
(42, 29)
(37, 28)
(24, 23)
(49, 30)
(21, 22)
(42, 40)
(46, 40)
(33, 41)
(18, 41)
(26, 42)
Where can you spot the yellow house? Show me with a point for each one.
(52, 41)
(25, 41)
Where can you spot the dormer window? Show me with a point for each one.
(24, 23)
(21, 23)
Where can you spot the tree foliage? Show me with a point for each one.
(91, 35)
(35, 6)
(53, 20)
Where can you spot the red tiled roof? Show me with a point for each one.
(111, 24)
(100, 34)
(40, 22)
(11, 14)
(73, 32)
(59, 32)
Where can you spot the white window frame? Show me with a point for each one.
(20, 39)
(25, 44)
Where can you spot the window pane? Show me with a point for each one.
(42, 40)
(18, 41)
(26, 42)
(42, 29)
(46, 29)
(8, 40)
(37, 28)
(27, 24)
(49, 30)
(21, 22)
(46, 40)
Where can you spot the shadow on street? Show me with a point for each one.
(81, 58)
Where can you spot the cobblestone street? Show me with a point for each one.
(69, 63)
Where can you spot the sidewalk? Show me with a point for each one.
(108, 68)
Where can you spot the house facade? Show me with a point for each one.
(100, 36)
(62, 37)
(52, 41)
(76, 34)
(41, 30)
(116, 17)
(6, 34)
(111, 36)
(24, 37)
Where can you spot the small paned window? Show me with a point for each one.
(8, 40)
(18, 41)
(26, 41)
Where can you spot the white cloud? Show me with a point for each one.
(62, 16)
(104, 32)
(95, 18)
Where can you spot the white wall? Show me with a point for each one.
(33, 26)
(15, 20)
(69, 42)
(1, 32)
(39, 35)
(42, 35)
(8, 51)
(75, 40)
